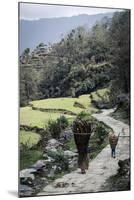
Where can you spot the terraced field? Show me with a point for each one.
(31, 117)
(40, 112)
(64, 103)
(37, 118)
(29, 138)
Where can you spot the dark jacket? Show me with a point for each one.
(113, 140)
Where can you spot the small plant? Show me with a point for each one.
(55, 126)
(101, 132)
(83, 115)
(63, 121)
(60, 159)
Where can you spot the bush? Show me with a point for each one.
(101, 132)
(84, 116)
(60, 160)
(55, 126)
(63, 122)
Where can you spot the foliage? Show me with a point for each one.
(60, 159)
(119, 42)
(76, 65)
(101, 132)
(70, 145)
(81, 63)
(83, 115)
(29, 138)
(28, 157)
(63, 121)
(55, 127)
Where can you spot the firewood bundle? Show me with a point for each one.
(82, 127)
(82, 132)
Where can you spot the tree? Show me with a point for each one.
(119, 41)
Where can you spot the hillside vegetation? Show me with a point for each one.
(87, 70)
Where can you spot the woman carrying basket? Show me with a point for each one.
(82, 133)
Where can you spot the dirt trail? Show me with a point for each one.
(100, 168)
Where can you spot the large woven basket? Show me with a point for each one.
(82, 133)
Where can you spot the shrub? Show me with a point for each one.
(55, 126)
(60, 160)
(63, 121)
(84, 116)
(101, 132)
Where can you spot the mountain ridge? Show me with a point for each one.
(51, 30)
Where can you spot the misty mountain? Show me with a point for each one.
(51, 30)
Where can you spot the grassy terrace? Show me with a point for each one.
(63, 103)
(29, 138)
(29, 156)
(99, 94)
(37, 118)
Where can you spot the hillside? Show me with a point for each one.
(75, 86)
(34, 32)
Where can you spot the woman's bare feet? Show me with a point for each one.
(83, 171)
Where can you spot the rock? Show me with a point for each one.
(122, 98)
(124, 167)
(73, 163)
(53, 143)
(27, 173)
(78, 105)
(52, 152)
(44, 179)
(61, 185)
(47, 158)
(52, 172)
(25, 191)
(39, 164)
(70, 154)
(59, 169)
(101, 104)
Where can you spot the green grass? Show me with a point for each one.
(29, 138)
(64, 103)
(121, 115)
(99, 93)
(29, 157)
(71, 144)
(37, 118)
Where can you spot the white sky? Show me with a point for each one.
(36, 11)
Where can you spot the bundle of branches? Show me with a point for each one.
(82, 132)
(82, 126)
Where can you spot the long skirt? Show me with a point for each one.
(81, 142)
(83, 160)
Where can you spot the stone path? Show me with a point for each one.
(101, 168)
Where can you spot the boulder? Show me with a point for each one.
(53, 144)
(52, 172)
(52, 152)
(70, 154)
(27, 173)
(124, 167)
(39, 164)
(48, 159)
(25, 191)
(73, 163)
